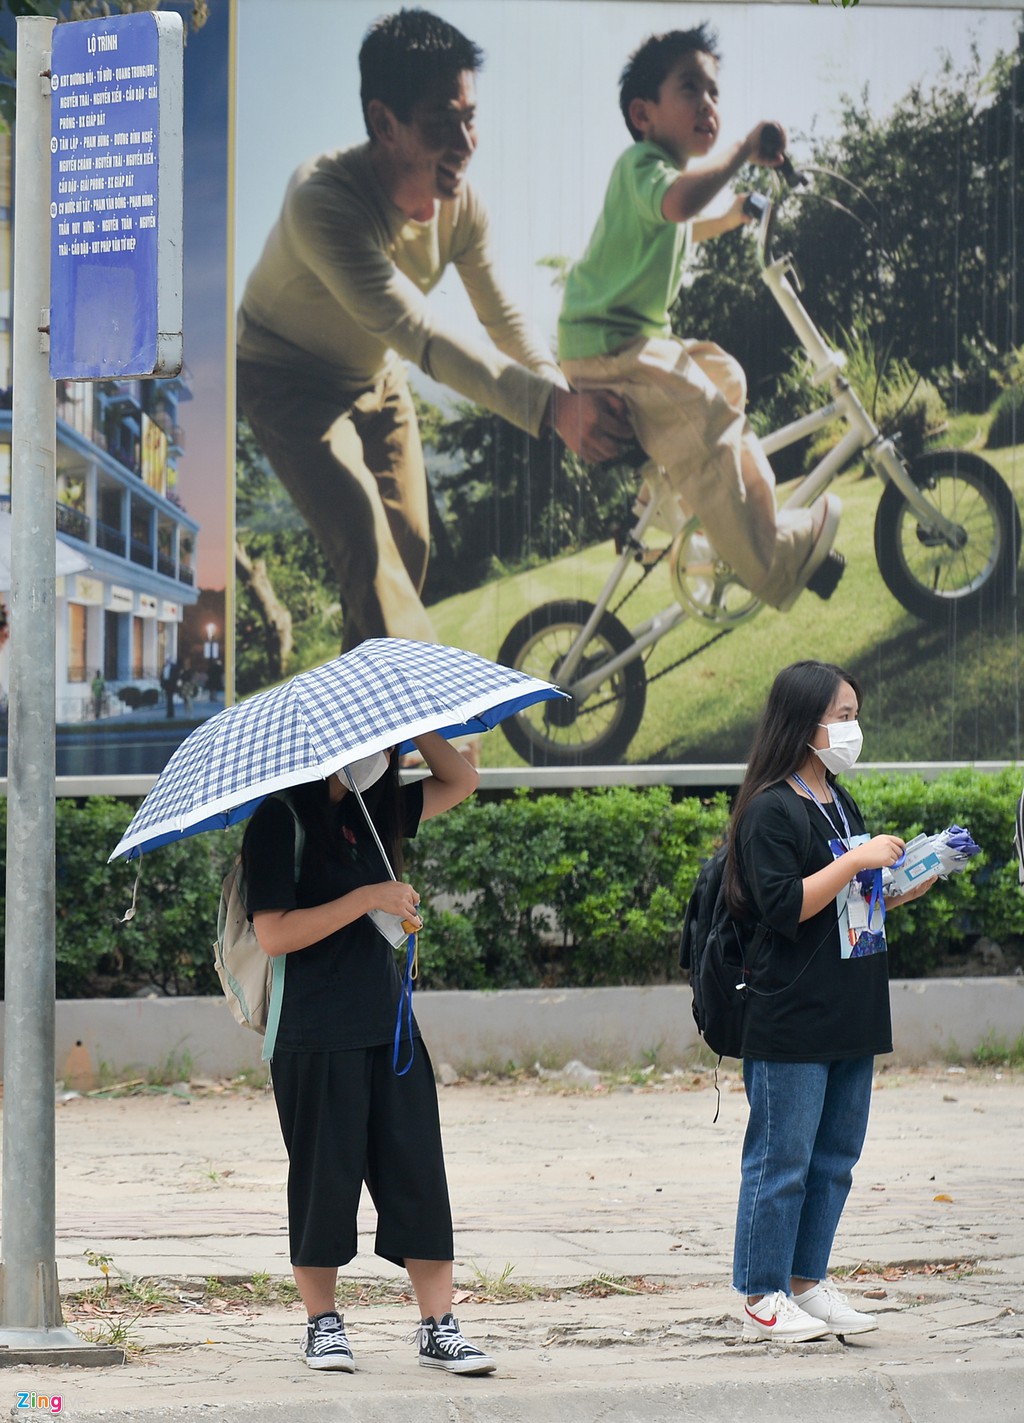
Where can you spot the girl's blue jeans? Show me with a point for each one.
(804, 1137)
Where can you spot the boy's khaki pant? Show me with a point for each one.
(687, 400)
(353, 464)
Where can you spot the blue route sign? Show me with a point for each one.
(116, 197)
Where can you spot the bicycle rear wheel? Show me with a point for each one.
(568, 733)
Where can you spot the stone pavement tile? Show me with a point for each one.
(953, 1314)
(618, 1241)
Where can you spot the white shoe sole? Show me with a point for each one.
(337, 1362)
(467, 1366)
(840, 1331)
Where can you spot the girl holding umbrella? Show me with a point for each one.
(346, 1113)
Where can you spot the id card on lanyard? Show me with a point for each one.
(861, 914)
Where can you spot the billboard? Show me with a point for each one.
(143, 479)
(895, 384)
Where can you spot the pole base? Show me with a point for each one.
(54, 1346)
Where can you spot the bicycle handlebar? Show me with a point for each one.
(771, 147)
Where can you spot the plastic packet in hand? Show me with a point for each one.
(941, 854)
(391, 927)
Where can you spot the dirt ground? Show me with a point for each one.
(593, 1231)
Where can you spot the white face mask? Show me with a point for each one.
(845, 740)
(365, 772)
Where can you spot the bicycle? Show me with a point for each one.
(947, 535)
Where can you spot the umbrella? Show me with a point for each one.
(381, 694)
(69, 560)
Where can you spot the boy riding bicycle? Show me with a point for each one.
(686, 399)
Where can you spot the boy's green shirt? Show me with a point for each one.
(628, 278)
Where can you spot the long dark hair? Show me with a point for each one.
(800, 696)
(312, 802)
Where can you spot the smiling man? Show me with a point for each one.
(337, 303)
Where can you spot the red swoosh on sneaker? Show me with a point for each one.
(767, 1323)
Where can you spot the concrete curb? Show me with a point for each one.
(934, 1020)
(932, 1396)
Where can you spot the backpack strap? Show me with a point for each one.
(277, 964)
(803, 829)
(799, 822)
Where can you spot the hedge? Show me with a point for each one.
(525, 890)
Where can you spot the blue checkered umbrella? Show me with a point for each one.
(381, 694)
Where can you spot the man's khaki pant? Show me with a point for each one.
(687, 403)
(353, 464)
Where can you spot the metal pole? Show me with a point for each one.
(30, 1311)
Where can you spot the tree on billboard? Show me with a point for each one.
(287, 615)
(504, 499)
(70, 10)
(921, 251)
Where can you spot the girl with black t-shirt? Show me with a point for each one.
(347, 1115)
(817, 1007)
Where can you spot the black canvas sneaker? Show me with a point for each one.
(327, 1345)
(443, 1347)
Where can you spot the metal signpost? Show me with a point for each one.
(114, 150)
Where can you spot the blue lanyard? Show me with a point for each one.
(405, 1010)
(836, 802)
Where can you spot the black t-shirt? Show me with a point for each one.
(807, 1003)
(344, 991)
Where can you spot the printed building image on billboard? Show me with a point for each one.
(142, 493)
(825, 387)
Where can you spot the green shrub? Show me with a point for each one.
(1007, 427)
(984, 901)
(166, 946)
(582, 889)
(589, 888)
(575, 890)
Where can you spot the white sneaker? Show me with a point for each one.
(823, 1301)
(777, 1317)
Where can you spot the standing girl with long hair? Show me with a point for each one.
(817, 1008)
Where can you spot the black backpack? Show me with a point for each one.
(717, 950)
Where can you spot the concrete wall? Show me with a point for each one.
(933, 1020)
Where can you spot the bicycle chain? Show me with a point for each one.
(687, 657)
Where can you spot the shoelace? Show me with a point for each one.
(448, 1337)
(831, 1293)
(778, 1304)
(327, 1333)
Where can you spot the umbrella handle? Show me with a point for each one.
(407, 924)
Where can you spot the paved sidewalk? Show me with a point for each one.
(564, 1187)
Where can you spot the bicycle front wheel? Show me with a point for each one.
(930, 573)
(596, 731)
